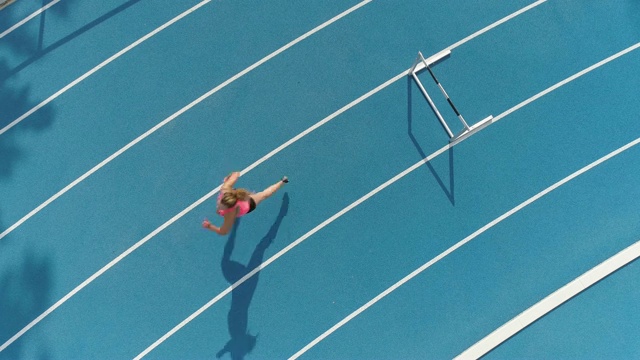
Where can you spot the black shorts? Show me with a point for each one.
(252, 204)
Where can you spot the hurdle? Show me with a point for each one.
(421, 64)
(5, 3)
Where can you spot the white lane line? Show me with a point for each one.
(287, 249)
(501, 116)
(497, 23)
(178, 113)
(202, 199)
(207, 196)
(460, 244)
(101, 65)
(551, 302)
(118, 153)
(25, 20)
(567, 80)
(342, 212)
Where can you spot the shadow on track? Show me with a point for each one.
(24, 293)
(449, 191)
(242, 342)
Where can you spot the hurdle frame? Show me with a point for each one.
(5, 3)
(421, 64)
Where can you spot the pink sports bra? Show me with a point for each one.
(242, 204)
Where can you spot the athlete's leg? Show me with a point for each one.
(266, 193)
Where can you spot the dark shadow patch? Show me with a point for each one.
(14, 101)
(24, 294)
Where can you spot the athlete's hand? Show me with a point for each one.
(206, 224)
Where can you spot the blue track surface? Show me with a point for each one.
(348, 262)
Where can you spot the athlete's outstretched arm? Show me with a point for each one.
(230, 180)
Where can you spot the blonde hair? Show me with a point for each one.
(231, 197)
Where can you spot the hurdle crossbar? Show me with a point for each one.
(5, 3)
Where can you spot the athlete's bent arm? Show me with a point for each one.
(229, 219)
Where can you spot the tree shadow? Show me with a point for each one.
(24, 293)
(38, 52)
(14, 98)
(14, 101)
(450, 190)
(242, 342)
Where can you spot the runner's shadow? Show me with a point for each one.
(450, 190)
(242, 342)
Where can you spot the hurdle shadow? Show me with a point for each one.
(450, 190)
(36, 51)
(242, 342)
(19, 41)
